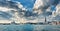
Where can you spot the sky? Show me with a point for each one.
(24, 9)
(26, 3)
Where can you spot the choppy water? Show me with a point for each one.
(29, 27)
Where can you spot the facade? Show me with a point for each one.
(56, 22)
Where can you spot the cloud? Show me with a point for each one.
(42, 5)
(21, 14)
(11, 4)
(14, 10)
(38, 3)
(45, 6)
(10, 7)
(58, 8)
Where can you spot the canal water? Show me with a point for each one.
(29, 27)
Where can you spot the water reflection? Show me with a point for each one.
(29, 27)
(25, 27)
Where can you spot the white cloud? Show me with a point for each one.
(20, 6)
(8, 0)
(58, 8)
(38, 3)
(5, 9)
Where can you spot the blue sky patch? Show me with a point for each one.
(26, 3)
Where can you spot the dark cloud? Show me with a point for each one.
(5, 15)
(9, 4)
(55, 2)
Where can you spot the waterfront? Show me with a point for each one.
(29, 27)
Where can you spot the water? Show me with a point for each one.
(29, 27)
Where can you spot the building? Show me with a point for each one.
(55, 22)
